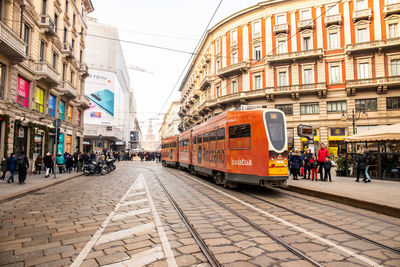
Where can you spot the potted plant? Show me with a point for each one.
(341, 169)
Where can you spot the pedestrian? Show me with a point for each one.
(3, 169)
(328, 167)
(69, 163)
(322, 154)
(48, 164)
(38, 164)
(314, 168)
(23, 165)
(306, 164)
(11, 166)
(60, 161)
(367, 161)
(360, 165)
(295, 161)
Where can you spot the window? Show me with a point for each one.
(234, 58)
(257, 53)
(332, 9)
(361, 4)
(213, 136)
(66, 6)
(73, 19)
(333, 40)
(257, 81)
(308, 76)
(64, 69)
(56, 22)
(286, 108)
(23, 92)
(362, 35)
(44, 6)
(363, 70)
(221, 134)
(217, 46)
(52, 106)
(2, 79)
(257, 28)
(393, 30)
(395, 67)
(234, 87)
(369, 104)
(26, 38)
(335, 74)
(392, 103)
(65, 35)
(54, 62)
(62, 110)
(305, 14)
(71, 78)
(282, 47)
(281, 19)
(73, 44)
(234, 37)
(41, 52)
(239, 136)
(39, 100)
(336, 106)
(307, 43)
(199, 139)
(218, 64)
(218, 90)
(283, 78)
(69, 113)
(309, 108)
(205, 137)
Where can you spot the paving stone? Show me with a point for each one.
(252, 251)
(186, 260)
(189, 249)
(36, 261)
(231, 257)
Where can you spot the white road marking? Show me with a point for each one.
(124, 215)
(134, 202)
(141, 259)
(163, 237)
(89, 245)
(343, 249)
(124, 233)
(137, 194)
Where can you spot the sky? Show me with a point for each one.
(175, 24)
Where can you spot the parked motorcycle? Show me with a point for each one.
(95, 168)
(111, 164)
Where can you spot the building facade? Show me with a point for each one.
(171, 121)
(42, 73)
(112, 113)
(318, 62)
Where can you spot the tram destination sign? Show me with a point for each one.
(305, 131)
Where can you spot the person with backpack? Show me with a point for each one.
(295, 163)
(48, 163)
(60, 161)
(11, 166)
(38, 164)
(23, 165)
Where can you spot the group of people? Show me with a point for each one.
(309, 165)
(150, 156)
(14, 163)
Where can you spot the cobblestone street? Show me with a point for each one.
(126, 218)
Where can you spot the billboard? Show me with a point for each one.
(100, 90)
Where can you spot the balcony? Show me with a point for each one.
(82, 102)
(11, 45)
(47, 26)
(296, 56)
(281, 28)
(296, 90)
(205, 83)
(381, 83)
(46, 73)
(362, 14)
(391, 9)
(67, 50)
(333, 20)
(233, 69)
(305, 24)
(83, 69)
(67, 89)
(378, 45)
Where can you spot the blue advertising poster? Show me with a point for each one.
(60, 148)
(52, 106)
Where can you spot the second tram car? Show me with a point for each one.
(235, 147)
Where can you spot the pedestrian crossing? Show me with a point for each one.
(139, 190)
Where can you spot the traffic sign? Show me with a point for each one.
(57, 123)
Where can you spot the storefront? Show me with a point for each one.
(336, 143)
(87, 146)
(69, 143)
(304, 141)
(38, 143)
(21, 139)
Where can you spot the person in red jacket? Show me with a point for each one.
(323, 153)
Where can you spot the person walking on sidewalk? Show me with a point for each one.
(360, 165)
(11, 166)
(306, 164)
(295, 161)
(23, 165)
(48, 164)
(60, 162)
(3, 169)
(367, 161)
(322, 154)
(38, 164)
(328, 167)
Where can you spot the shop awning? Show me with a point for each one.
(384, 133)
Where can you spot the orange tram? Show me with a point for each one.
(235, 147)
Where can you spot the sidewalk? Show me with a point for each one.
(32, 183)
(378, 196)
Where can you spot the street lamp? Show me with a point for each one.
(355, 116)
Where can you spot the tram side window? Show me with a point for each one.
(205, 137)
(194, 140)
(240, 137)
(221, 137)
(199, 139)
(213, 136)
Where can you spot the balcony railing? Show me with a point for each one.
(67, 89)
(67, 50)
(374, 82)
(47, 25)
(205, 83)
(362, 14)
(83, 69)
(312, 87)
(11, 45)
(234, 69)
(296, 56)
(46, 73)
(305, 24)
(281, 28)
(385, 44)
(391, 9)
(333, 19)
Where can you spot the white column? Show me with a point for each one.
(268, 35)
(346, 22)
(223, 53)
(245, 42)
(293, 29)
(377, 20)
(320, 44)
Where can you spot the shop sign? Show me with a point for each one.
(338, 131)
(95, 115)
(21, 132)
(86, 143)
(120, 143)
(22, 92)
(38, 139)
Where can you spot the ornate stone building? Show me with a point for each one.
(319, 62)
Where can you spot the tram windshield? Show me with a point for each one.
(275, 124)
